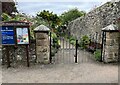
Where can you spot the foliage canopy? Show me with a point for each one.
(70, 15)
(52, 19)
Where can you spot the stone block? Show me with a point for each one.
(111, 50)
(42, 49)
(43, 54)
(46, 61)
(116, 41)
(115, 56)
(41, 36)
(112, 47)
(110, 57)
(112, 35)
(43, 42)
(42, 57)
(109, 42)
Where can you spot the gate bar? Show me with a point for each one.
(50, 48)
(76, 51)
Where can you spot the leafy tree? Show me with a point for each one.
(71, 15)
(52, 19)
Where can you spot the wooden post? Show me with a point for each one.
(27, 53)
(8, 56)
(3, 56)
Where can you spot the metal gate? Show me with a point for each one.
(72, 52)
(66, 53)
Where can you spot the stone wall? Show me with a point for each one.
(42, 47)
(95, 20)
(18, 53)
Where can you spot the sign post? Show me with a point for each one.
(15, 33)
(27, 52)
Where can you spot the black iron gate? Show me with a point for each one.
(66, 53)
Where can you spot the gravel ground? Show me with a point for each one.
(87, 71)
(0, 75)
(0, 66)
(62, 73)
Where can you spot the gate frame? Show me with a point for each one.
(74, 56)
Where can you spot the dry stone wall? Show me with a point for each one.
(95, 20)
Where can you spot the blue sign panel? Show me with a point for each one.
(8, 35)
(0, 35)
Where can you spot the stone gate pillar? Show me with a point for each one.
(42, 44)
(110, 49)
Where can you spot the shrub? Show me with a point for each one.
(72, 40)
(55, 44)
(84, 42)
(56, 41)
(97, 54)
(91, 47)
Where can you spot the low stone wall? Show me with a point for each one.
(95, 20)
(18, 53)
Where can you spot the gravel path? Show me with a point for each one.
(0, 75)
(0, 65)
(87, 71)
(62, 73)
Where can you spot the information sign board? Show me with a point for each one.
(7, 34)
(22, 36)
